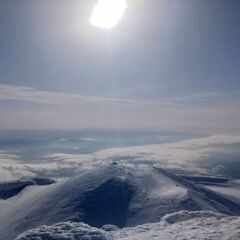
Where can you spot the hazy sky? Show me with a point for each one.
(167, 64)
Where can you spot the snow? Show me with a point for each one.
(183, 225)
(199, 226)
(111, 194)
(66, 231)
(225, 186)
(231, 189)
(11, 188)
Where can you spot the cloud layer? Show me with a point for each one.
(20, 93)
(30, 108)
(183, 156)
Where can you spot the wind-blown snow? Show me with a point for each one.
(12, 188)
(231, 189)
(199, 225)
(108, 195)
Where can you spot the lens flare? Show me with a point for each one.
(107, 13)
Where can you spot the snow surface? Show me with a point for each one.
(11, 188)
(231, 189)
(66, 231)
(108, 195)
(183, 225)
(228, 187)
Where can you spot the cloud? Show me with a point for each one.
(20, 93)
(208, 95)
(58, 110)
(183, 156)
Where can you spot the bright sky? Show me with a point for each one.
(166, 64)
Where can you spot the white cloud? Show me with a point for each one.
(20, 93)
(182, 156)
(58, 110)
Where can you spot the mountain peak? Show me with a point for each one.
(111, 194)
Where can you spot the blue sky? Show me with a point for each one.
(168, 64)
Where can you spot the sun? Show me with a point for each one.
(107, 13)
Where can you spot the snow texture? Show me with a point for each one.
(231, 189)
(12, 188)
(183, 225)
(65, 231)
(109, 195)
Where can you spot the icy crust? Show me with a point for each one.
(182, 225)
(199, 225)
(186, 215)
(65, 231)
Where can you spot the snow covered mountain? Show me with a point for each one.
(199, 225)
(10, 189)
(108, 195)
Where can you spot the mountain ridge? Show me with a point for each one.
(109, 194)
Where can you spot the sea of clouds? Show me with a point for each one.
(186, 156)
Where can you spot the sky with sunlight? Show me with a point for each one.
(166, 64)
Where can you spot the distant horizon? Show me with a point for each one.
(216, 131)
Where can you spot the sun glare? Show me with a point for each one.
(107, 13)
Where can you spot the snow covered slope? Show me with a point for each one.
(228, 187)
(10, 189)
(199, 225)
(108, 195)
(231, 189)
